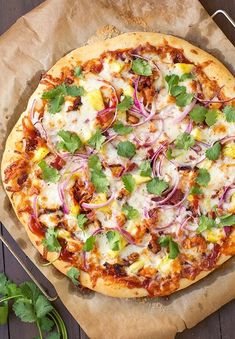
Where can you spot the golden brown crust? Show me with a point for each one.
(214, 69)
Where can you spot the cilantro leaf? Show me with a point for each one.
(213, 152)
(78, 71)
(71, 141)
(211, 117)
(89, 244)
(156, 186)
(227, 220)
(53, 335)
(177, 90)
(145, 169)
(198, 113)
(184, 141)
(100, 182)
(3, 312)
(75, 91)
(96, 139)
(172, 80)
(121, 129)
(169, 154)
(24, 309)
(205, 223)
(229, 112)
(126, 103)
(98, 178)
(196, 190)
(114, 239)
(130, 212)
(184, 99)
(129, 182)
(55, 104)
(3, 284)
(73, 273)
(46, 324)
(141, 67)
(42, 306)
(55, 92)
(203, 177)
(49, 174)
(167, 241)
(50, 241)
(94, 163)
(126, 149)
(186, 76)
(81, 219)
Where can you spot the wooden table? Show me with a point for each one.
(219, 325)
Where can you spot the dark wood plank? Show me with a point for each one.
(227, 316)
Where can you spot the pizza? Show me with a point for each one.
(121, 168)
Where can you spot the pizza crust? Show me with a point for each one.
(214, 70)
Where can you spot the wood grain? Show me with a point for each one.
(219, 325)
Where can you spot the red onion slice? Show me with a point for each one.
(186, 111)
(35, 207)
(32, 112)
(211, 101)
(148, 142)
(227, 139)
(95, 206)
(176, 205)
(170, 194)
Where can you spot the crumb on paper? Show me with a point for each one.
(103, 33)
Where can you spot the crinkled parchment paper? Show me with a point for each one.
(32, 46)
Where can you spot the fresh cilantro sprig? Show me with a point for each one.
(201, 114)
(179, 92)
(130, 212)
(195, 190)
(121, 129)
(70, 141)
(50, 241)
(205, 223)
(129, 182)
(56, 96)
(156, 186)
(30, 306)
(145, 169)
(172, 246)
(73, 273)
(213, 152)
(96, 140)
(126, 149)
(126, 103)
(98, 178)
(49, 174)
(141, 67)
(89, 244)
(184, 141)
(203, 177)
(114, 240)
(81, 220)
(229, 112)
(227, 220)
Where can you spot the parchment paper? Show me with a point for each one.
(32, 46)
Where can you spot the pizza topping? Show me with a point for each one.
(203, 177)
(171, 244)
(73, 273)
(184, 141)
(126, 149)
(49, 174)
(156, 186)
(229, 112)
(50, 241)
(213, 152)
(96, 140)
(71, 141)
(141, 67)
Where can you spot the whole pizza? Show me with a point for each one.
(122, 167)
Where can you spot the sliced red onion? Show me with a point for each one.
(228, 192)
(84, 260)
(184, 222)
(159, 167)
(126, 235)
(35, 207)
(98, 231)
(186, 111)
(137, 104)
(31, 114)
(94, 206)
(110, 138)
(61, 188)
(189, 127)
(211, 101)
(155, 156)
(164, 227)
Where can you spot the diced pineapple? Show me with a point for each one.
(99, 199)
(140, 180)
(63, 234)
(115, 66)
(197, 134)
(75, 209)
(132, 227)
(229, 150)
(113, 254)
(213, 235)
(165, 265)
(185, 68)
(190, 198)
(233, 201)
(96, 100)
(40, 153)
(128, 90)
(206, 164)
(135, 267)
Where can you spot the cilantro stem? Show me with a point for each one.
(12, 297)
(39, 330)
(55, 321)
(61, 323)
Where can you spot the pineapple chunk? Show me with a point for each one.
(132, 227)
(197, 134)
(63, 234)
(229, 150)
(233, 201)
(190, 198)
(96, 100)
(40, 153)
(99, 199)
(140, 180)
(184, 68)
(135, 267)
(115, 66)
(206, 164)
(128, 90)
(214, 235)
(165, 265)
(113, 254)
(75, 209)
